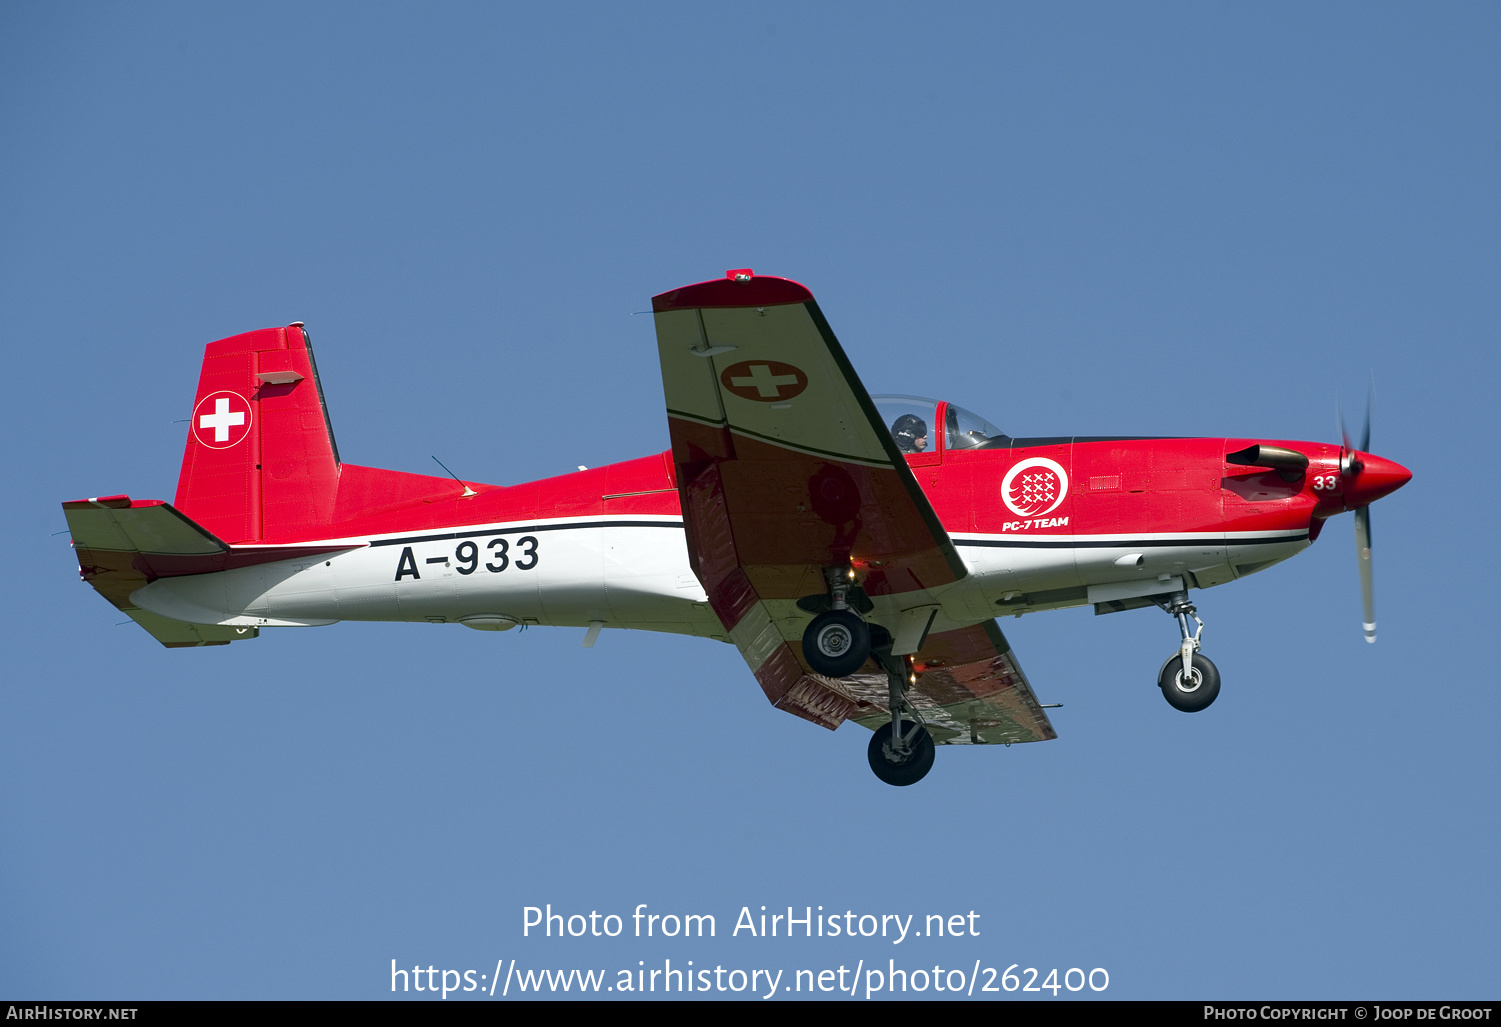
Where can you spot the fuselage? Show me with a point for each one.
(855, 549)
(1040, 524)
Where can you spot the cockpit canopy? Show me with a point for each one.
(910, 419)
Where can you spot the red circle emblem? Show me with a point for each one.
(1034, 487)
(221, 419)
(764, 381)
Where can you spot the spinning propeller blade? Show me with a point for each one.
(1363, 557)
(1339, 414)
(1355, 466)
(1370, 405)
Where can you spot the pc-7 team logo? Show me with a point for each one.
(221, 419)
(1034, 487)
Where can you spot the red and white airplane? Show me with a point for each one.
(855, 549)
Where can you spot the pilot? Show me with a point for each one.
(910, 433)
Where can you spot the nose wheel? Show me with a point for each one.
(1189, 680)
(1193, 691)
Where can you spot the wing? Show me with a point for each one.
(969, 691)
(785, 470)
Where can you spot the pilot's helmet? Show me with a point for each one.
(907, 430)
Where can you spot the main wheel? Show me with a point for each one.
(1193, 691)
(895, 768)
(837, 643)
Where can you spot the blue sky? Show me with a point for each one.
(1158, 219)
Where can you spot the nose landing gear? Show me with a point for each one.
(1189, 681)
(1193, 691)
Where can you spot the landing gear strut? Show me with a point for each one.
(836, 644)
(1189, 681)
(901, 752)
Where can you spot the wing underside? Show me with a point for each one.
(971, 690)
(786, 474)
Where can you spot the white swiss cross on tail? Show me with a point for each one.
(764, 381)
(221, 419)
(1034, 487)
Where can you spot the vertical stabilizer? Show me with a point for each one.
(260, 462)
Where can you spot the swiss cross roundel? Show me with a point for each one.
(764, 381)
(1034, 487)
(221, 419)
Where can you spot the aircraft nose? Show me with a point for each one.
(1376, 477)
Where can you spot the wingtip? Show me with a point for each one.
(739, 288)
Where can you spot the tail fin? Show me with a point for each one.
(260, 462)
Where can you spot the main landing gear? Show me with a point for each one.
(901, 758)
(901, 752)
(836, 644)
(1193, 689)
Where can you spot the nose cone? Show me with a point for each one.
(1377, 477)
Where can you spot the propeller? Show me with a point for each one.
(1352, 468)
(1363, 557)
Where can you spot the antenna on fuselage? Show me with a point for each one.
(467, 490)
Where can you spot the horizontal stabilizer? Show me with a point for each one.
(174, 634)
(123, 545)
(120, 524)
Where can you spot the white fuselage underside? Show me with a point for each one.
(635, 574)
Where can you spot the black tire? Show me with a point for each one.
(1189, 696)
(895, 771)
(837, 643)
